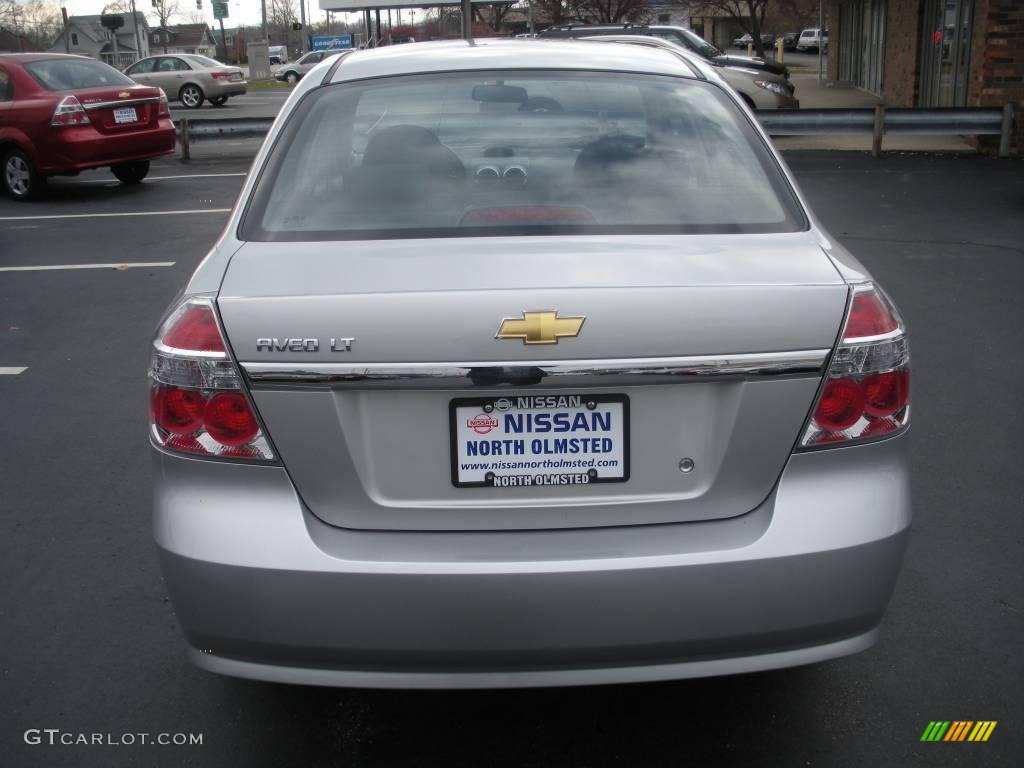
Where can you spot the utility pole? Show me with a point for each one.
(263, 9)
(138, 39)
(467, 20)
(67, 32)
(302, 20)
(821, 35)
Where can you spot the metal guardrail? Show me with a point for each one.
(953, 121)
(192, 130)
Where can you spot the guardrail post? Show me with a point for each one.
(1004, 131)
(185, 153)
(876, 134)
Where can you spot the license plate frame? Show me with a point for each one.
(466, 404)
(120, 113)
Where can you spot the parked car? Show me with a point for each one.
(812, 39)
(278, 54)
(60, 115)
(568, 386)
(789, 41)
(742, 42)
(758, 89)
(190, 78)
(298, 68)
(681, 35)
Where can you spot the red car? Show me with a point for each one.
(63, 114)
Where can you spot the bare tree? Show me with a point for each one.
(592, 11)
(492, 16)
(614, 11)
(748, 13)
(165, 11)
(37, 21)
(558, 11)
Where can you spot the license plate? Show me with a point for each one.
(237, 77)
(125, 115)
(527, 441)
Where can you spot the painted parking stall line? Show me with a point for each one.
(12, 370)
(113, 215)
(148, 179)
(112, 265)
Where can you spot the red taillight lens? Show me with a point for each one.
(178, 411)
(229, 419)
(195, 330)
(885, 393)
(867, 391)
(164, 109)
(197, 405)
(841, 405)
(221, 75)
(69, 112)
(869, 317)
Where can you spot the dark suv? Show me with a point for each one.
(680, 35)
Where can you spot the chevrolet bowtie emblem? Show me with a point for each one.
(539, 327)
(123, 95)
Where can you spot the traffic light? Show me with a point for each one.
(296, 26)
(199, 5)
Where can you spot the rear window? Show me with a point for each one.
(471, 154)
(204, 61)
(71, 74)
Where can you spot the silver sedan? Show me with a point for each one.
(525, 363)
(190, 78)
(758, 88)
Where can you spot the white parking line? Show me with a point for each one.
(110, 215)
(12, 370)
(128, 265)
(114, 182)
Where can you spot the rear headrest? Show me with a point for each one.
(412, 145)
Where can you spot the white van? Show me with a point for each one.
(278, 54)
(812, 39)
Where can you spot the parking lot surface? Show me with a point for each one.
(89, 642)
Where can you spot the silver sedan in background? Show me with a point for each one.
(190, 78)
(525, 363)
(759, 89)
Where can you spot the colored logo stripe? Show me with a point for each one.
(958, 730)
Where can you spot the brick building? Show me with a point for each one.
(932, 53)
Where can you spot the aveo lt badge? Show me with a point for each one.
(539, 327)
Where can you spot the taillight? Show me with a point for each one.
(866, 394)
(69, 112)
(163, 108)
(221, 75)
(197, 403)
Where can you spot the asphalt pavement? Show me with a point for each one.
(89, 642)
(262, 103)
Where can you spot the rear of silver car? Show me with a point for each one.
(549, 450)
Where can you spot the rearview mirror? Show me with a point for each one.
(502, 94)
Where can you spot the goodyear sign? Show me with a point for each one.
(332, 42)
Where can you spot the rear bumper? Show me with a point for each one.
(226, 89)
(265, 590)
(76, 149)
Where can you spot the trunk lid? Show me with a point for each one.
(121, 110)
(373, 455)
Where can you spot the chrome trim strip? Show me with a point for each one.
(520, 374)
(121, 103)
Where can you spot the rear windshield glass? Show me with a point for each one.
(203, 61)
(70, 74)
(487, 153)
